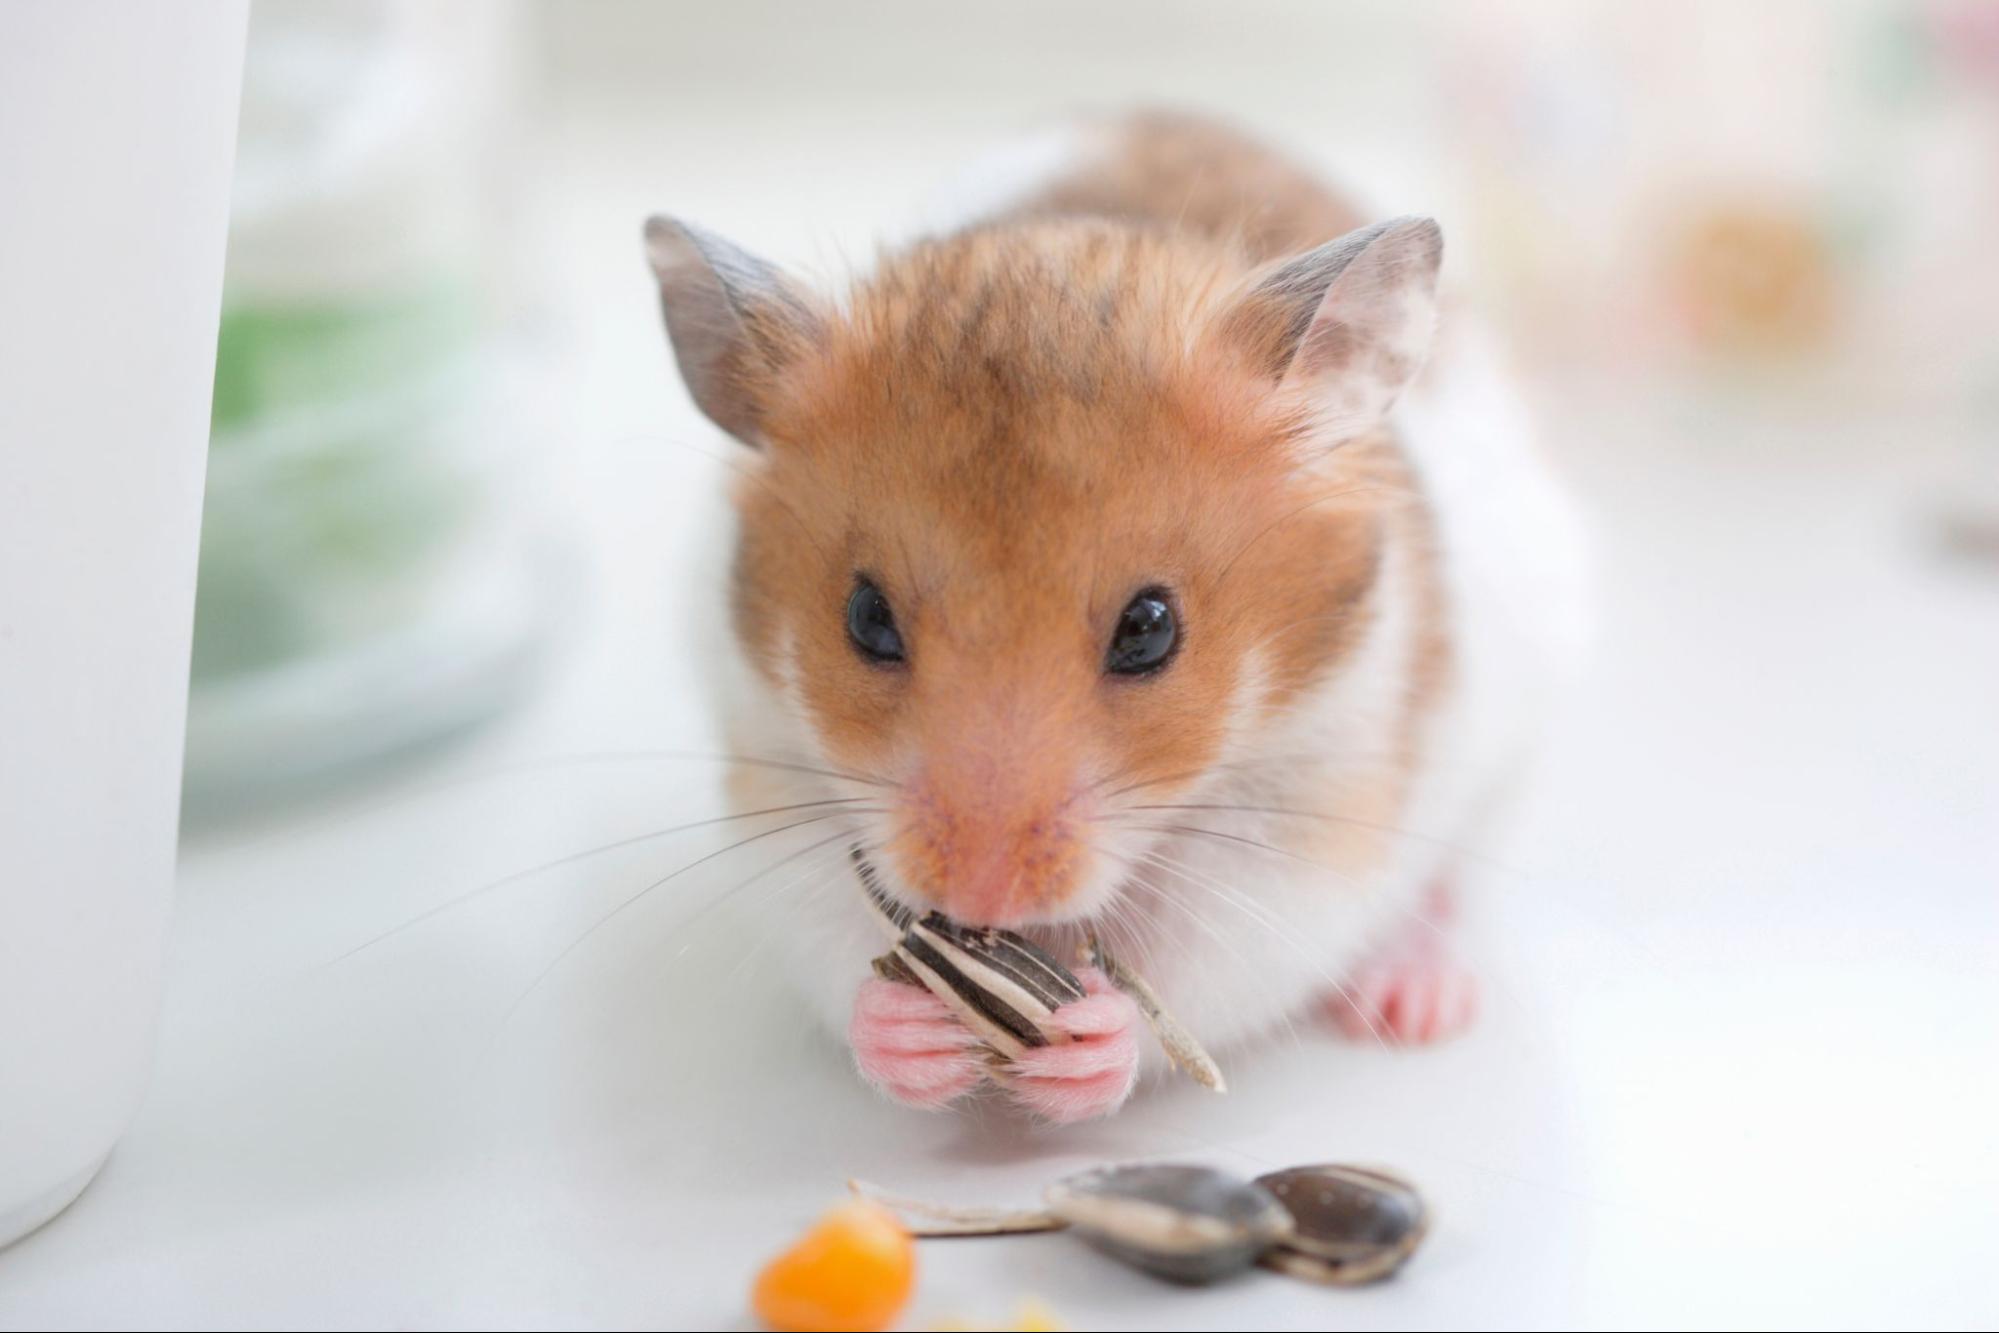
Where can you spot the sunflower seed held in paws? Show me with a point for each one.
(1002, 985)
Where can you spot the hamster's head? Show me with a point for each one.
(1043, 525)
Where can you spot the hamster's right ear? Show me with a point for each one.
(1346, 325)
(736, 322)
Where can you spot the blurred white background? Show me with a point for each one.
(1738, 1062)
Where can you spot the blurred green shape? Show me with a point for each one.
(336, 472)
(279, 356)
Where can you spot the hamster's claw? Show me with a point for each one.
(1091, 1074)
(909, 1044)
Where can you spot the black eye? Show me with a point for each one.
(871, 625)
(1145, 635)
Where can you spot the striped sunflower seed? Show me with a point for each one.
(1004, 986)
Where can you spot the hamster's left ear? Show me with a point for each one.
(736, 322)
(1349, 324)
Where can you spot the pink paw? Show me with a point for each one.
(1091, 1074)
(1415, 991)
(909, 1044)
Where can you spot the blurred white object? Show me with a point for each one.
(117, 124)
(367, 580)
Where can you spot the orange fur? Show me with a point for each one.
(1011, 431)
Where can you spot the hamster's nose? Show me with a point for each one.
(986, 856)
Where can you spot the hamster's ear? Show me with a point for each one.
(736, 322)
(1346, 325)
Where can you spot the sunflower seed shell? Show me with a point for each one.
(1188, 1224)
(1355, 1224)
(1183, 1052)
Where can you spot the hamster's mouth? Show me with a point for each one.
(1061, 940)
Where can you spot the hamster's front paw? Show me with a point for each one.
(909, 1044)
(1091, 1074)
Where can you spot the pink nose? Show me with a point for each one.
(1000, 866)
(986, 892)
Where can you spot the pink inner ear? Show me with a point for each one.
(1370, 329)
(1377, 315)
(1332, 345)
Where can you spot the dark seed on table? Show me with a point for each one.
(1184, 1223)
(1354, 1224)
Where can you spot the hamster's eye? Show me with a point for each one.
(871, 625)
(1145, 636)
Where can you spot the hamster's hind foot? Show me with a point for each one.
(1412, 990)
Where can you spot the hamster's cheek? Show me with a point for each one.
(1159, 732)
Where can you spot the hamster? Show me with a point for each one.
(1115, 561)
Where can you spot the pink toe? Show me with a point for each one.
(1105, 1010)
(1414, 992)
(890, 1001)
(927, 1079)
(1066, 1101)
(1356, 1007)
(1090, 1075)
(907, 1043)
(929, 1085)
(1413, 1010)
(894, 1040)
(1117, 1053)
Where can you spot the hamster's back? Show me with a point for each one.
(1163, 169)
